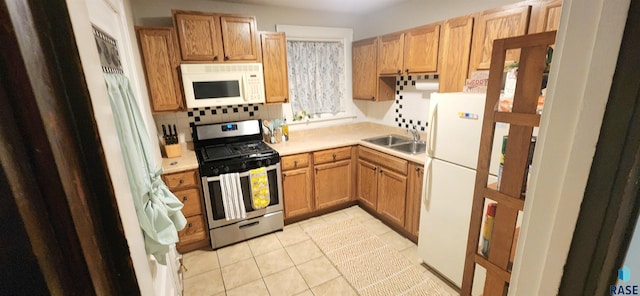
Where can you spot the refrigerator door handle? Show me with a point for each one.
(432, 130)
(426, 183)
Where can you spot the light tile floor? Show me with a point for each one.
(287, 262)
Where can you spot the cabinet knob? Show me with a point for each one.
(181, 181)
(295, 163)
(215, 57)
(417, 169)
(316, 171)
(381, 171)
(184, 198)
(334, 156)
(226, 58)
(284, 175)
(399, 71)
(375, 168)
(189, 225)
(406, 70)
(286, 100)
(373, 98)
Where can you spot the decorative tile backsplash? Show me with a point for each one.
(196, 116)
(408, 113)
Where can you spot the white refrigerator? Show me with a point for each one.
(453, 142)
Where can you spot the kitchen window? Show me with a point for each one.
(316, 76)
(319, 65)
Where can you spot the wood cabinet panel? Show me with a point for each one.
(194, 231)
(239, 38)
(545, 16)
(274, 64)
(159, 50)
(391, 54)
(332, 183)
(297, 192)
(181, 180)
(455, 54)
(294, 161)
(394, 163)
(367, 184)
(392, 192)
(421, 49)
(199, 35)
(192, 201)
(508, 21)
(330, 155)
(414, 198)
(364, 69)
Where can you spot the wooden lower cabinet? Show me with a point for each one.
(298, 199)
(186, 187)
(332, 183)
(392, 193)
(414, 198)
(367, 184)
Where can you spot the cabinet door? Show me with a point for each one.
(332, 183)
(367, 183)
(456, 49)
(199, 36)
(274, 63)
(159, 52)
(365, 77)
(421, 49)
(239, 38)
(545, 16)
(392, 192)
(495, 24)
(297, 192)
(390, 54)
(414, 198)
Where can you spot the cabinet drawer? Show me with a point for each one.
(391, 162)
(192, 201)
(331, 155)
(181, 180)
(195, 230)
(294, 161)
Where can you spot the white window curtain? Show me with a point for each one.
(316, 76)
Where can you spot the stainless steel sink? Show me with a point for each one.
(399, 143)
(411, 147)
(388, 140)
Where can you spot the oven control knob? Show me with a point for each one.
(268, 161)
(259, 163)
(226, 169)
(243, 165)
(215, 170)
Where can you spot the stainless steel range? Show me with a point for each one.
(237, 147)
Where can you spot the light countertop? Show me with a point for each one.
(187, 161)
(309, 140)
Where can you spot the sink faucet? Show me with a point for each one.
(414, 132)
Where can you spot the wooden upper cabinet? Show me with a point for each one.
(239, 38)
(159, 50)
(545, 16)
(421, 49)
(365, 75)
(214, 37)
(199, 35)
(390, 54)
(274, 63)
(455, 53)
(504, 22)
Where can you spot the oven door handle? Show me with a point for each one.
(243, 174)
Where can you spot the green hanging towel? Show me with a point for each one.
(159, 211)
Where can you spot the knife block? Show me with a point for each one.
(173, 150)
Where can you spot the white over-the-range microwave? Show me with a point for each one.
(207, 85)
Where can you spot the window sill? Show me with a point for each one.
(312, 121)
